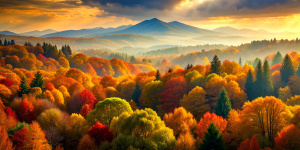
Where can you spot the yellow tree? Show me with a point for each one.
(295, 100)
(185, 141)
(284, 93)
(184, 121)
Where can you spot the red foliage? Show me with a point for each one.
(275, 67)
(244, 145)
(7, 82)
(173, 91)
(288, 138)
(49, 86)
(100, 133)
(41, 58)
(26, 111)
(20, 138)
(134, 70)
(85, 110)
(254, 144)
(107, 81)
(9, 112)
(87, 97)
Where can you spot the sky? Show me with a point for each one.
(26, 15)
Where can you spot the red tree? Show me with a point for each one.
(85, 110)
(288, 138)
(7, 82)
(41, 58)
(9, 112)
(244, 145)
(254, 144)
(49, 86)
(20, 137)
(26, 111)
(87, 97)
(107, 81)
(173, 91)
(100, 133)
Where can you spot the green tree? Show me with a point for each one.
(267, 83)
(298, 71)
(249, 86)
(223, 105)
(215, 65)
(240, 62)
(5, 42)
(259, 80)
(212, 139)
(1, 44)
(136, 93)
(157, 76)
(286, 69)
(37, 81)
(23, 89)
(277, 58)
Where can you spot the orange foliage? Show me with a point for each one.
(288, 138)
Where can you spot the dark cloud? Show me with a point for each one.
(258, 4)
(24, 4)
(148, 4)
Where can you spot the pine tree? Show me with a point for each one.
(267, 83)
(277, 58)
(136, 93)
(298, 71)
(286, 69)
(240, 62)
(215, 65)
(23, 89)
(38, 44)
(170, 70)
(249, 86)
(12, 42)
(1, 44)
(212, 139)
(223, 105)
(5, 42)
(157, 76)
(258, 84)
(37, 81)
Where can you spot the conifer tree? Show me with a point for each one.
(212, 139)
(5, 42)
(267, 83)
(23, 89)
(136, 93)
(240, 62)
(223, 105)
(249, 86)
(157, 76)
(1, 44)
(277, 58)
(298, 71)
(258, 84)
(286, 69)
(37, 81)
(215, 65)
(12, 42)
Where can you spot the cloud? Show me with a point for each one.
(258, 4)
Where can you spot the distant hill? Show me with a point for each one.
(8, 33)
(38, 33)
(242, 32)
(85, 32)
(194, 29)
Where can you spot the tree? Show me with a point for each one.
(259, 80)
(157, 76)
(136, 93)
(184, 121)
(87, 143)
(20, 138)
(277, 58)
(23, 89)
(215, 65)
(185, 141)
(87, 97)
(207, 119)
(286, 69)
(37, 81)
(223, 105)
(112, 107)
(267, 83)
(249, 86)
(5, 142)
(150, 94)
(1, 44)
(254, 144)
(240, 62)
(36, 138)
(5, 42)
(284, 93)
(26, 111)
(288, 138)
(100, 133)
(7, 82)
(212, 139)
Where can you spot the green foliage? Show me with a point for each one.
(136, 93)
(192, 75)
(37, 81)
(249, 86)
(215, 65)
(106, 110)
(286, 69)
(150, 94)
(267, 83)
(18, 127)
(259, 80)
(223, 105)
(212, 139)
(277, 58)
(23, 89)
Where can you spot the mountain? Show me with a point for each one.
(38, 33)
(242, 32)
(8, 33)
(85, 32)
(133, 40)
(193, 29)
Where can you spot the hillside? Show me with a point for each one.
(38, 33)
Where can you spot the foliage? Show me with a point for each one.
(223, 105)
(286, 69)
(215, 65)
(212, 139)
(23, 89)
(288, 138)
(37, 81)
(100, 133)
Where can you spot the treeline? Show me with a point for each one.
(6, 42)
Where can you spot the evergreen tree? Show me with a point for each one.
(5, 42)
(37, 81)
(23, 89)
(38, 44)
(215, 65)
(267, 83)
(298, 71)
(170, 70)
(240, 62)
(277, 58)
(249, 86)
(286, 69)
(258, 84)
(212, 139)
(1, 44)
(223, 105)
(157, 76)
(8, 43)
(136, 93)
(12, 42)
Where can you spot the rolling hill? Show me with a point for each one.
(8, 33)
(38, 33)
